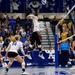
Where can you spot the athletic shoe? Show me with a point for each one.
(41, 56)
(25, 73)
(5, 73)
(4, 65)
(66, 65)
(29, 57)
(73, 67)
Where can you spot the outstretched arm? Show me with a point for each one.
(70, 17)
(30, 16)
(41, 29)
(21, 48)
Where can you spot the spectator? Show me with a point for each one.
(64, 51)
(27, 29)
(18, 20)
(12, 23)
(69, 33)
(26, 44)
(54, 23)
(64, 34)
(28, 23)
(1, 17)
(61, 25)
(59, 34)
(52, 54)
(23, 33)
(23, 38)
(30, 31)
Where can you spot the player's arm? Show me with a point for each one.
(46, 28)
(7, 49)
(70, 16)
(21, 48)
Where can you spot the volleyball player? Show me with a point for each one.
(35, 36)
(2, 48)
(12, 53)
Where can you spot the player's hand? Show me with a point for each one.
(46, 28)
(68, 8)
(25, 55)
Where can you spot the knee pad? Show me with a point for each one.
(10, 62)
(23, 63)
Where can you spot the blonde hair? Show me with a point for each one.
(1, 39)
(13, 39)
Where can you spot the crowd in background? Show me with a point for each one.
(10, 27)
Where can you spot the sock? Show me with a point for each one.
(40, 51)
(23, 69)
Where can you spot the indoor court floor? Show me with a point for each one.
(40, 70)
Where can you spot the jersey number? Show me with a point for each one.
(14, 44)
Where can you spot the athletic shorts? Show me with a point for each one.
(12, 54)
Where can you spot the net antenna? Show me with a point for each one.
(64, 17)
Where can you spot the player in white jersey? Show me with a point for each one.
(36, 31)
(12, 53)
(2, 48)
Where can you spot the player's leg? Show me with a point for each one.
(3, 63)
(9, 64)
(39, 46)
(32, 39)
(21, 60)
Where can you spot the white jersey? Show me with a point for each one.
(36, 24)
(1, 45)
(15, 46)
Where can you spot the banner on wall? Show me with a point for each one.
(49, 5)
(48, 59)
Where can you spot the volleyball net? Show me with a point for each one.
(68, 29)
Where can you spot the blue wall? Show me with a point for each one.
(36, 60)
